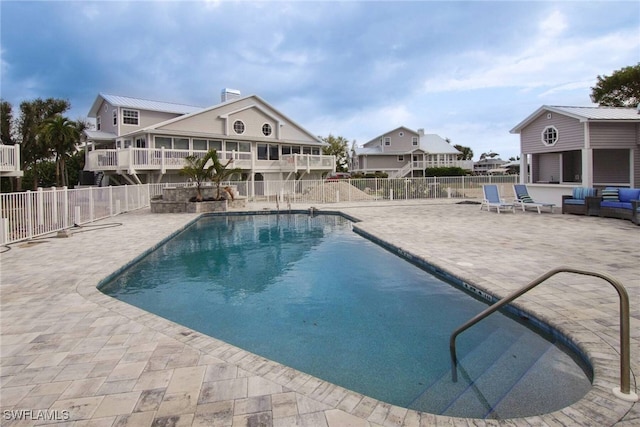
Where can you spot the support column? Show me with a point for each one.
(587, 167)
(525, 177)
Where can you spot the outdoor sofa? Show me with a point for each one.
(582, 201)
(623, 203)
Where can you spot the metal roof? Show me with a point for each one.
(142, 104)
(99, 135)
(584, 114)
(429, 143)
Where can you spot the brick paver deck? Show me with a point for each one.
(72, 353)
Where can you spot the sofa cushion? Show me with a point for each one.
(616, 205)
(610, 194)
(628, 194)
(574, 201)
(579, 193)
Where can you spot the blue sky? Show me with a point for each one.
(468, 71)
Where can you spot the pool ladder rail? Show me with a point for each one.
(624, 391)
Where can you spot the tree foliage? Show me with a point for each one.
(467, 152)
(620, 89)
(490, 155)
(6, 120)
(61, 136)
(208, 168)
(338, 146)
(445, 171)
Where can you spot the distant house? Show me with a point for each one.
(403, 152)
(490, 166)
(581, 146)
(10, 161)
(142, 141)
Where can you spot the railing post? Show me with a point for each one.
(90, 204)
(110, 201)
(40, 206)
(65, 218)
(163, 169)
(54, 205)
(29, 215)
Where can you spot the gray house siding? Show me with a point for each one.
(384, 162)
(613, 135)
(400, 143)
(570, 134)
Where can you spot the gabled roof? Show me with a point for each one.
(141, 104)
(377, 138)
(234, 100)
(430, 143)
(584, 114)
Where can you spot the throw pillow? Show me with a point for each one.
(526, 199)
(610, 194)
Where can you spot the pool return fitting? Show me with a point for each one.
(624, 391)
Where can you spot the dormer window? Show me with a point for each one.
(130, 117)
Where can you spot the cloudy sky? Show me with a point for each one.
(469, 71)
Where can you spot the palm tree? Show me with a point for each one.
(197, 169)
(220, 172)
(61, 134)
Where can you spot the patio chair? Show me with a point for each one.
(492, 199)
(525, 201)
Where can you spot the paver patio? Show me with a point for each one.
(73, 353)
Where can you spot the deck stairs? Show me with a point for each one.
(402, 172)
(487, 376)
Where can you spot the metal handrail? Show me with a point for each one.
(624, 391)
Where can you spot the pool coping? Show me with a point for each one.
(587, 410)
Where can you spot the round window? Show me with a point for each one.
(266, 129)
(549, 135)
(238, 127)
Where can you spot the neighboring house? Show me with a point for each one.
(581, 146)
(404, 152)
(10, 161)
(146, 141)
(489, 166)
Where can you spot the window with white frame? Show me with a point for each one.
(115, 117)
(550, 135)
(266, 129)
(130, 117)
(414, 140)
(98, 123)
(401, 158)
(387, 141)
(238, 127)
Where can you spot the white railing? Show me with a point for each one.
(131, 159)
(9, 158)
(296, 162)
(30, 214)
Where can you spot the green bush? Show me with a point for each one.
(446, 171)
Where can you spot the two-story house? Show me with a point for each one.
(144, 141)
(403, 152)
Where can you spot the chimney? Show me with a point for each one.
(228, 94)
(421, 132)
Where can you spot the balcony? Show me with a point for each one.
(10, 160)
(140, 160)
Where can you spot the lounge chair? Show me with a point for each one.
(492, 199)
(525, 201)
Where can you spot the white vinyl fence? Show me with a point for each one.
(31, 214)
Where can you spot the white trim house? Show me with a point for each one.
(404, 152)
(145, 141)
(581, 146)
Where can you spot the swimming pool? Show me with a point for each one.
(311, 294)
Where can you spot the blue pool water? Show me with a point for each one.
(310, 293)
